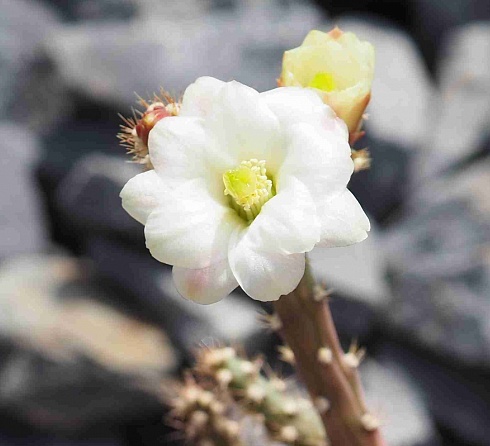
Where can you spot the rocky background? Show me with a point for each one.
(90, 324)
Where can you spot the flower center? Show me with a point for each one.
(249, 188)
(323, 81)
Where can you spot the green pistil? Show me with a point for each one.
(249, 188)
(323, 81)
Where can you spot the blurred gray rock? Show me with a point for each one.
(110, 62)
(402, 90)
(21, 220)
(440, 267)
(432, 21)
(460, 116)
(96, 10)
(399, 404)
(357, 271)
(70, 361)
(30, 91)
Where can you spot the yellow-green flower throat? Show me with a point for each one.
(249, 188)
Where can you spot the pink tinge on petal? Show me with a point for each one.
(206, 285)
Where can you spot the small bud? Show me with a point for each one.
(286, 354)
(320, 293)
(217, 357)
(248, 368)
(230, 428)
(290, 408)
(275, 322)
(199, 419)
(346, 90)
(224, 377)
(205, 398)
(362, 159)
(289, 434)
(191, 394)
(370, 422)
(217, 408)
(136, 130)
(278, 384)
(324, 355)
(354, 356)
(351, 360)
(255, 393)
(322, 404)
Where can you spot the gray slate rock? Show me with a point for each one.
(30, 89)
(111, 61)
(440, 268)
(21, 219)
(69, 361)
(460, 115)
(400, 405)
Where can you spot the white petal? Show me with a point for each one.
(244, 126)
(182, 151)
(320, 160)
(293, 105)
(199, 97)
(262, 275)
(189, 229)
(343, 221)
(141, 195)
(287, 223)
(207, 285)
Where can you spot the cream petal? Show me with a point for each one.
(199, 97)
(264, 276)
(181, 150)
(293, 105)
(206, 285)
(287, 223)
(343, 221)
(189, 229)
(245, 127)
(319, 159)
(141, 195)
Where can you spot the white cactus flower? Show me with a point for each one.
(244, 184)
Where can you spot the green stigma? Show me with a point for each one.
(323, 81)
(249, 187)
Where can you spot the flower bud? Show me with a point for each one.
(136, 130)
(339, 66)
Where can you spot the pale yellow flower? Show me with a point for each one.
(339, 66)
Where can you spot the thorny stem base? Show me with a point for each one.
(307, 326)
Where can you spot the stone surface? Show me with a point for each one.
(88, 196)
(31, 91)
(21, 219)
(440, 270)
(433, 21)
(456, 396)
(69, 360)
(402, 90)
(95, 10)
(109, 61)
(382, 189)
(394, 397)
(356, 271)
(149, 284)
(460, 116)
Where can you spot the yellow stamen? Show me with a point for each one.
(249, 187)
(323, 81)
